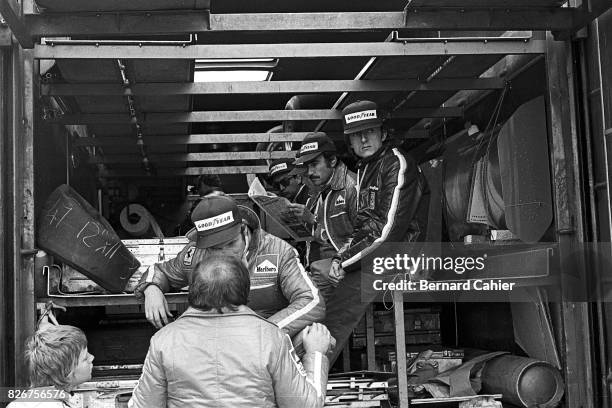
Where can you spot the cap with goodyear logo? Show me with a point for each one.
(282, 168)
(359, 116)
(313, 145)
(217, 220)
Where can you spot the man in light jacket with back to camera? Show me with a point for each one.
(220, 353)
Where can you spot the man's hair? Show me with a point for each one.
(219, 281)
(51, 355)
(329, 156)
(208, 183)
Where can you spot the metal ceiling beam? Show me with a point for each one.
(188, 171)
(273, 87)
(150, 23)
(432, 19)
(16, 25)
(197, 139)
(186, 22)
(193, 157)
(242, 116)
(295, 50)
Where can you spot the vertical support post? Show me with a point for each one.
(4, 100)
(346, 358)
(400, 349)
(370, 346)
(573, 316)
(21, 184)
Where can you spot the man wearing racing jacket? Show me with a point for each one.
(330, 210)
(391, 207)
(281, 291)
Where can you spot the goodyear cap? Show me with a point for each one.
(313, 145)
(282, 168)
(217, 220)
(359, 116)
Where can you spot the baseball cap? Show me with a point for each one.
(359, 116)
(313, 145)
(217, 220)
(282, 168)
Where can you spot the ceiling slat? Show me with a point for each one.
(295, 50)
(274, 87)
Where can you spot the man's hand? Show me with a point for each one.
(156, 306)
(336, 273)
(300, 211)
(316, 338)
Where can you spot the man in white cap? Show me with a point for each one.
(288, 179)
(331, 208)
(391, 207)
(281, 290)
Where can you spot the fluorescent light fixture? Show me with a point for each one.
(230, 76)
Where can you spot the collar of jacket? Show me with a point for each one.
(338, 180)
(363, 162)
(243, 310)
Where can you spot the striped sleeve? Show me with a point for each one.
(305, 304)
(299, 383)
(391, 217)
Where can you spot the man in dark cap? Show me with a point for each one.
(288, 179)
(391, 207)
(331, 208)
(280, 288)
(220, 353)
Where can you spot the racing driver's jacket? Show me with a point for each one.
(281, 290)
(392, 204)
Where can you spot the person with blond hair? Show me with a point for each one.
(58, 361)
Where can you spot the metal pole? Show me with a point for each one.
(400, 349)
(574, 316)
(4, 337)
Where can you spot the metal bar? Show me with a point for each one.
(346, 358)
(185, 22)
(189, 171)
(222, 138)
(4, 197)
(147, 23)
(564, 167)
(26, 296)
(194, 157)
(370, 345)
(273, 87)
(17, 26)
(242, 116)
(105, 300)
(400, 349)
(296, 50)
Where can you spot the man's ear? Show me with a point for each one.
(384, 134)
(333, 161)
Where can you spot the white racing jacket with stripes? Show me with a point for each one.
(391, 204)
(281, 290)
(236, 359)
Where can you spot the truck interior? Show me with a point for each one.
(504, 105)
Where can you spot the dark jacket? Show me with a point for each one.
(236, 359)
(335, 208)
(390, 189)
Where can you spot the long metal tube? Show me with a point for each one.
(601, 310)
(4, 338)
